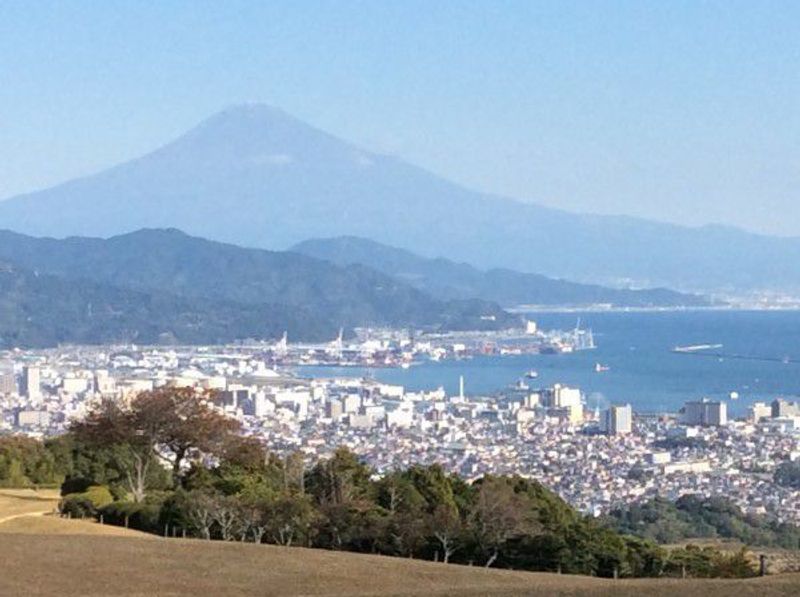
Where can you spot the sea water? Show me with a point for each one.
(756, 362)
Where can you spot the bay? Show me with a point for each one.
(637, 347)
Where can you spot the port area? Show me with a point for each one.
(385, 347)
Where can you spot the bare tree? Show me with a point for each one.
(446, 527)
(200, 512)
(225, 513)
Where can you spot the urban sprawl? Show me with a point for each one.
(596, 460)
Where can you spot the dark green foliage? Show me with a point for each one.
(707, 562)
(788, 474)
(157, 286)
(26, 462)
(507, 522)
(692, 517)
(422, 511)
(76, 505)
(143, 516)
(86, 504)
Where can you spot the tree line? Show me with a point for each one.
(694, 517)
(168, 462)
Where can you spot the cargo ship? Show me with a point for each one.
(696, 347)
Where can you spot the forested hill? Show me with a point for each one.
(41, 310)
(451, 280)
(697, 517)
(163, 284)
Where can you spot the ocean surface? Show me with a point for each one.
(761, 360)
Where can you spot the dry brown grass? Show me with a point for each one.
(102, 565)
(24, 502)
(46, 555)
(26, 511)
(53, 525)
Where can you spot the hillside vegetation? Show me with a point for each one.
(168, 463)
(697, 517)
(156, 286)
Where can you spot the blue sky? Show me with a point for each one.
(678, 111)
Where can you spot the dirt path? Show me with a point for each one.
(24, 514)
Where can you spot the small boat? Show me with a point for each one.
(601, 368)
(734, 395)
(532, 374)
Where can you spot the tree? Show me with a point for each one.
(406, 510)
(198, 510)
(340, 479)
(445, 525)
(499, 514)
(788, 474)
(225, 512)
(289, 516)
(25, 461)
(131, 438)
(168, 424)
(187, 423)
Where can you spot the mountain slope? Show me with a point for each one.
(39, 310)
(254, 176)
(449, 280)
(158, 281)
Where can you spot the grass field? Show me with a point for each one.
(15, 503)
(46, 555)
(100, 565)
(29, 512)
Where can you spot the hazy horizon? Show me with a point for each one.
(681, 113)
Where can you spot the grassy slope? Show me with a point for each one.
(15, 503)
(25, 511)
(43, 555)
(98, 565)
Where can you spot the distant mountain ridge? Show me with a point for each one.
(163, 285)
(255, 176)
(449, 280)
(39, 310)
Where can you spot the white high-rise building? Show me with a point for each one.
(31, 386)
(618, 420)
(568, 399)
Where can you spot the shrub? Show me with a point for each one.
(76, 505)
(87, 503)
(142, 516)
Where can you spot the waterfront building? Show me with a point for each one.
(705, 412)
(759, 411)
(784, 408)
(618, 420)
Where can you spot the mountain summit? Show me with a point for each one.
(253, 175)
